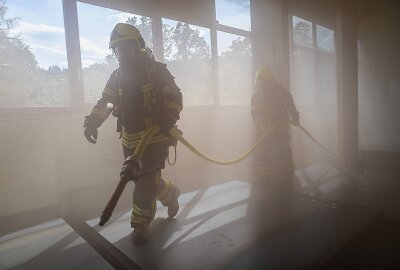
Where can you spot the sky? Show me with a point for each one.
(41, 26)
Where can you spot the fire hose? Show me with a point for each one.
(135, 164)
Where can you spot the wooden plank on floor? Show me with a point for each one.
(50, 245)
(108, 251)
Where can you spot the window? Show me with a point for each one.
(302, 32)
(187, 54)
(313, 86)
(325, 39)
(314, 74)
(235, 78)
(235, 69)
(33, 60)
(98, 61)
(234, 13)
(33, 57)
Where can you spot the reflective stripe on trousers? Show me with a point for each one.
(148, 189)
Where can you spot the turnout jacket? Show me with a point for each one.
(140, 97)
(271, 104)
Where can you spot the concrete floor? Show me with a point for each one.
(323, 221)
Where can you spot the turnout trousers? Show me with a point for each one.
(150, 187)
(274, 162)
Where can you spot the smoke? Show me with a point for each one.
(378, 77)
(313, 86)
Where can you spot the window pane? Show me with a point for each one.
(302, 32)
(325, 39)
(187, 54)
(33, 59)
(98, 61)
(235, 69)
(313, 86)
(234, 13)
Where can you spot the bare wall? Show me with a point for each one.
(47, 156)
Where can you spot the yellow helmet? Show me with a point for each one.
(124, 31)
(264, 74)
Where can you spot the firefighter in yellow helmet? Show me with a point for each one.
(143, 93)
(272, 106)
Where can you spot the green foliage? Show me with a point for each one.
(95, 78)
(187, 55)
(235, 76)
(302, 34)
(194, 77)
(5, 23)
(167, 41)
(96, 75)
(145, 27)
(189, 44)
(22, 82)
(239, 47)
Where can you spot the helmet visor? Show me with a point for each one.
(126, 49)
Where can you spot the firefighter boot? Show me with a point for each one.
(173, 205)
(140, 233)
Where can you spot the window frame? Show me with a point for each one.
(313, 49)
(38, 111)
(70, 15)
(316, 40)
(215, 28)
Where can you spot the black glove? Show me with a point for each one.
(90, 129)
(131, 168)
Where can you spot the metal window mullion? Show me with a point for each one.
(291, 49)
(315, 56)
(314, 35)
(253, 40)
(215, 64)
(232, 30)
(158, 38)
(73, 53)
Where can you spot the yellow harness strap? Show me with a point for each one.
(144, 141)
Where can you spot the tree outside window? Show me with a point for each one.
(27, 77)
(187, 54)
(98, 61)
(302, 32)
(235, 69)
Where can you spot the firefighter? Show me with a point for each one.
(271, 106)
(142, 93)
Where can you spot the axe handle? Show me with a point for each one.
(122, 183)
(107, 212)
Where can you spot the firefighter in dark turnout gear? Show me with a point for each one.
(271, 106)
(143, 93)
